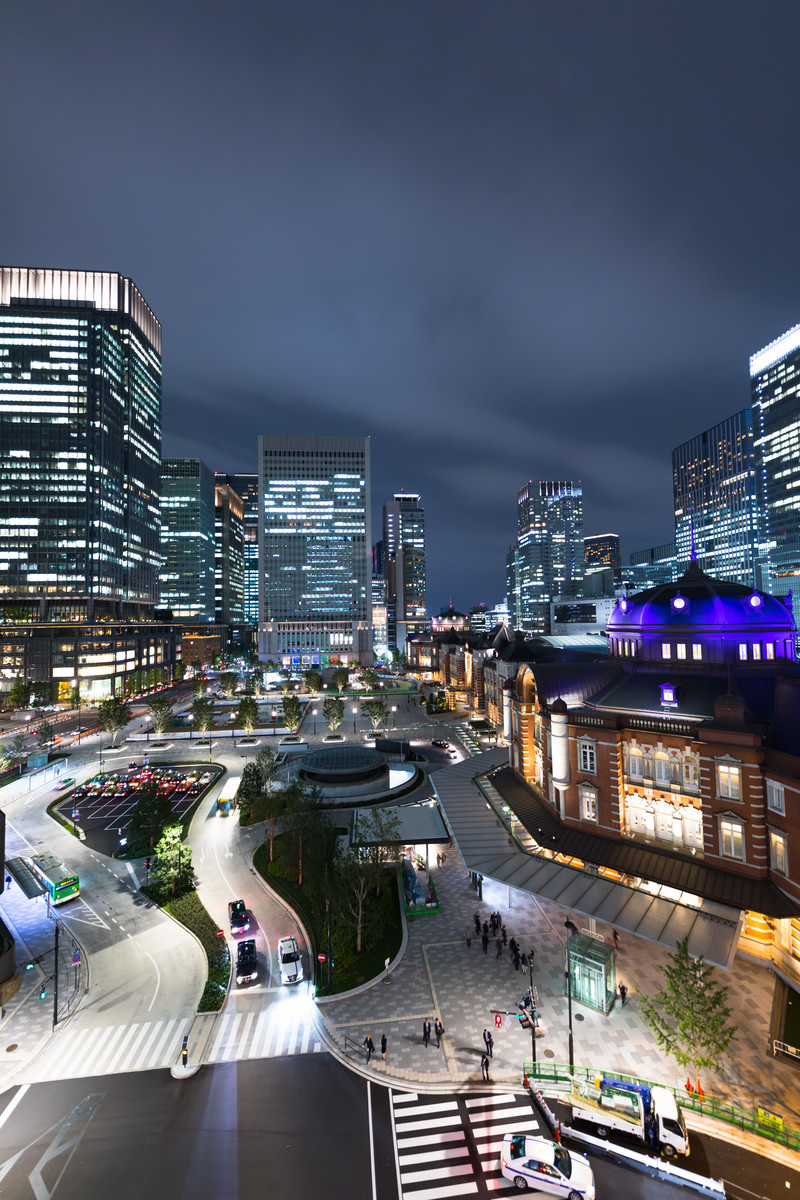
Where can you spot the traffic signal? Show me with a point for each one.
(43, 992)
(147, 864)
(29, 966)
(524, 1020)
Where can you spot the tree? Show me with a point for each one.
(690, 1014)
(20, 694)
(113, 714)
(172, 871)
(292, 713)
(43, 693)
(203, 713)
(375, 711)
(17, 749)
(247, 714)
(228, 683)
(354, 876)
(340, 679)
(161, 712)
(379, 836)
(44, 734)
(178, 672)
(312, 680)
(304, 815)
(370, 679)
(333, 712)
(151, 814)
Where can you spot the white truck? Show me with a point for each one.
(650, 1114)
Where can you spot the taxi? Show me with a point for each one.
(531, 1162)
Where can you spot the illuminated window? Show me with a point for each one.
(729, 781)
(666, 650)
(769, 650)
(587, 759)
(697, 651)
(756, 651)
(778, 857)
(743, 650)
(662, 772)
(635, 765)
(588, 797)
(731, 838)
(775, 797)
(681, 650)
(690, 774)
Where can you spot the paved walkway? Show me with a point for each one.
(438, 974)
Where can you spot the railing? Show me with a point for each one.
(785, 1048)
(763, 1123)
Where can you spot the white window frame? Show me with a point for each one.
(661, 771)
(588, 800)
(691, 774)
(731, 838)
(666, 650)
(743, 651)
(727, 789)
(778, 851)
(769, 650)
(697, 651)
(635, 756)
(587, 756)
(681, 649)
(776, 800)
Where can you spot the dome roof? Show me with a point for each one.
(698, 602)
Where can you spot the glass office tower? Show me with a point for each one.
(715, 500)
(228, 553)
(775, 389)
(246, 486)
(548, 561)
(80, 430)
(187, 539)
(315, 551)
(404, 568)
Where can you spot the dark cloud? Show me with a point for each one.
(506, 240)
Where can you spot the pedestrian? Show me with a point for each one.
(523, 958)
(438, 860)
(505, 939)
(615, 936)
(369, 1046)
(499, 946)
(384, 1044)
(477, 923)
(444, 859)
(485, 942)
(530, 960)
(623, 993)
(486, 928)
(488, 1042)
(469, 937)
(512, 945)
(438, 1029)
(491, 923)
(426, 1032)
(516, 960)
(485, 1067)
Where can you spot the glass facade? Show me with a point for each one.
(246, 486)
(715, 500)
(315, 550)
(548, 561)
(404, 567)
(775, 386)
(187, 539)
(228, 554)
(80, 429)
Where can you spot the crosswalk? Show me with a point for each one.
(446, 1143)
(76, 1053)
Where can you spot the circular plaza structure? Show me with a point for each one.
(353, 771)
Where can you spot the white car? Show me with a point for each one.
(289, 961)
(531, 1162)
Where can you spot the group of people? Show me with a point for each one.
(369, 1046)
(438, 1029)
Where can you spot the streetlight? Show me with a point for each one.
(355, 710)
(572, 927)
(394, 719)
(76, 691)
(274, 716)
(314, 715)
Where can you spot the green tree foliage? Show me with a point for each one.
(370, 679)
(18, 747)
(354, 879)
(292, 713)
(304, 818)
(20, 693)
(375, 711)
(43, 693)
(247, 714)
(172, 872)
(202, 713)
(689, 1015)
(44, 734)
(151, 814)
(161, 712)
(113, 714)
(340, 678)
(379, 838)
(333, 712)
(178, 672)
(228, 683)
(312, 680)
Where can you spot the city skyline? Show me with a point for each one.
(504, 244)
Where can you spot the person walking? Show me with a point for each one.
(477, 923)
(485, 1067)
(499, 944)
(369, 1046)
(384, 1044)
(426, 1032)
(512, 945)
(488, 1042)
(505, 939)
(486, 928)
(516, 960)
(485, 942)
(438, 1029)
(524, 960)
(623, 993)
(615, 936)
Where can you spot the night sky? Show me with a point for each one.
(507, 240)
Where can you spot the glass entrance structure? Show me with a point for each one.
(594, 980)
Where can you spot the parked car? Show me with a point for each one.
(239, 916)
(531, 1162)
(246, 961)
(289, 961)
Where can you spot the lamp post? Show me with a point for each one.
(572, 928)
(76, 687)
(274, 716)
(394, 718)
(355, 710)
(314, 715)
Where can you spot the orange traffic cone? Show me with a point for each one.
(688, 1085)
(525, 1079)
(700, 1091)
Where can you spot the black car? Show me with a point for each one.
(239, 916)
(441, 745)
(246, 961)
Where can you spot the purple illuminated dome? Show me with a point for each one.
(698, 620)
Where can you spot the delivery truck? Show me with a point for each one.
(650, 1114)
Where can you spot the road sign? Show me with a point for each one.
(76, 957)
(320, 958)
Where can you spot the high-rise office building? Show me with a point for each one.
(187, 539)
(246, 486)
(775, 389)
(651, 567)
(80, 430)
(315, 548)
(601, 552)
(404, 567)
(715, 500)
(549, 553)
(228, 554)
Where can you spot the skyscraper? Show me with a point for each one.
(715, 500)
(228, 554)
(404, 567)
(80, 430)
(601, 552)
(187, 539)
(775, 389)
(315, 546)
(549, 554)
(246, 486)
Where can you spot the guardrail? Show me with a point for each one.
(762, 1122)
(785, 1048)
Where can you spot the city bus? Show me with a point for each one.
(51, 874)
(227, 797)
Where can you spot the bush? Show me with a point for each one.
(192, 915)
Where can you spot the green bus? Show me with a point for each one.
(51, 874)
